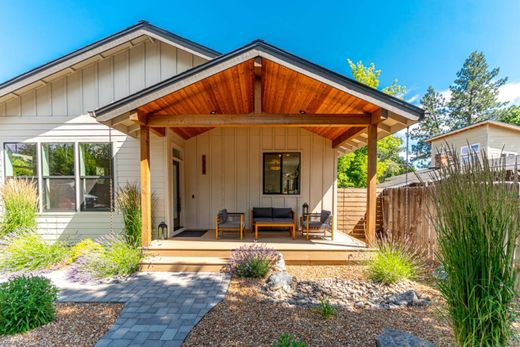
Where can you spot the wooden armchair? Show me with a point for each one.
(318, 223)
(229, 221)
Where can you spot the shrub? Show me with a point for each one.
(27, 251)
(112, 257)
(21, 205)
(252, 260)
(288, 340)
(26, 303)
(476, 217)
(392, 263)
(128, 200)
(82, 248)
(325, 309)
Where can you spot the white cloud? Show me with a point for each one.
(509, 92)
(413, 98)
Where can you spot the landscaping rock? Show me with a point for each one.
(279, 266)
(280, 281)
(408, 298)
(399, 338)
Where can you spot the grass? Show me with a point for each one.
(27, 251)
(392, 263)
(20, 200)
(476, 217)
(288, 340)
(325, 309)
(26, 303)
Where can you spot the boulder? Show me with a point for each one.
(398, 338)
(279, 265)
(280, 280)
(407, 298)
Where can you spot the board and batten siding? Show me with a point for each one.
(57, 112)
(233, 179)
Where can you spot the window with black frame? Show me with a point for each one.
(281, 173)
(21, 160)
(58, 174)
(95, 176)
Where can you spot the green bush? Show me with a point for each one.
(392, 263)
(251, 261)
(21, 205)
(83, 247)
(288, 340)
(26, 303)
(325, 309)
(113, 257)
(27, 251)
(476, 216)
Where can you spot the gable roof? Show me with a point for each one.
(476, 125)
(85, 54)
(259, 48)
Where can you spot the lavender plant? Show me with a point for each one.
(252, 261)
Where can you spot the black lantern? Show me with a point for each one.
(163, 230)
(305, 209)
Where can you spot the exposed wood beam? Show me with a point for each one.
(133, 128)
(401, 119)
(258, 66)
(370, 231)
(119, 119)
(146, 188)
(160, 132)
(345, 136)
(139, 117)
(257, 120)
(258, 95)
(384, 127)
(380, 115)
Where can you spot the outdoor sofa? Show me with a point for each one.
(273, 217)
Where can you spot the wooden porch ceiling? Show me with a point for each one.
(284, 92)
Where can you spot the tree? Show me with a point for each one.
(510, 115)
(352, 167)
(433, 124)
(474, 92)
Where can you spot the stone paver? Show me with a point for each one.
(160, 308)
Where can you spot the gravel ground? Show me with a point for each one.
(76, 325)
(244, 318)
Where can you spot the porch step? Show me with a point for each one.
(181, 264)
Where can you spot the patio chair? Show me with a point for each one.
(229, 221)
(317, 223)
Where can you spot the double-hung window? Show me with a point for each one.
(58, 175)
(281, 173)
(21, 161)
(466, 153)
(95, 176)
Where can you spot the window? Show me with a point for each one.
(21, 160)
(465, 155)
(95, 176)
(281, 173)
(58, 174)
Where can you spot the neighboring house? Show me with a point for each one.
(497, 139)
(202, 131)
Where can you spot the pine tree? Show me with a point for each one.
(433, 124)
(474, 92)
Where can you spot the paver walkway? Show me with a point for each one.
(160, 308)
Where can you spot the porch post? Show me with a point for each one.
(146, 189)
(371, 185)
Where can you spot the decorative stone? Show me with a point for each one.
(398, 338)
(280, 281)
(279, 265)
(359, 304)
(408, 298)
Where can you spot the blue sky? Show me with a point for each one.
(419, 42)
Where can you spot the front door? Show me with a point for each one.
(176, 196)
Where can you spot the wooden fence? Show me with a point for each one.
(352, 206)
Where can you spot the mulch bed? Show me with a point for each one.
(76, 325)
(244, 318)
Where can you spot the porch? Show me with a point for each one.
(222, 118)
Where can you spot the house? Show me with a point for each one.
(199, 129)
(496, 139)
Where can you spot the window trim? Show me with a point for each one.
(51, 177)
(281, 176)
(37, 159)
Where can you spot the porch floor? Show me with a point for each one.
(205, 253)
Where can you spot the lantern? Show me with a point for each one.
(305, 209)
(163, 230)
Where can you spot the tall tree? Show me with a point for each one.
(352, 167)
(433, 124)
(474, 92)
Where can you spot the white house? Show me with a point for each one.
(201, 130)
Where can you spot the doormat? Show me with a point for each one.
(192, 233)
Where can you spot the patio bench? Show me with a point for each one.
(269, 217)
(229, 221)
(317, 223)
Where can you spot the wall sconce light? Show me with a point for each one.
(302, 112)
(163, 230)
(305, 209)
